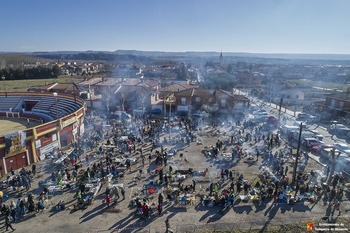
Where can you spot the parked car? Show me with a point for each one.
(335, 128)
(139, 111)
(311, 142)
(328, 153)
(321, 147)
(121, 115)
(302, 116)
(201, 114)
(343, 147)
(312, 119)
(120, 108)
(303, 135)
(316, 134)
(156, 111)
(342, 132)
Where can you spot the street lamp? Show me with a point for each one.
(55, 95)
(3, 79)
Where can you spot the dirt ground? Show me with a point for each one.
(9, 125)
(121, 217)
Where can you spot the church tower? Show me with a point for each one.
(221, 59)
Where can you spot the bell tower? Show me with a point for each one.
(221, 59)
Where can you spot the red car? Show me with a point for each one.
(312, 142)
(320, 148)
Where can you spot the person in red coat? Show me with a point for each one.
(108, 200)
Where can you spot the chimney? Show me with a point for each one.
(103, 79)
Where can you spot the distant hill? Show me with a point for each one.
(126, 56)
(238, 54)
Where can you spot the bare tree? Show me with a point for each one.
(122, 98)
(141, 95)
(107, 95)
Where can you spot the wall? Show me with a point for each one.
(40, 136)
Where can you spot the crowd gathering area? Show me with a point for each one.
(149, 166)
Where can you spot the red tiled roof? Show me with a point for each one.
(91, 81)
(177, 87)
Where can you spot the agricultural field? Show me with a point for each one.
(22, 85)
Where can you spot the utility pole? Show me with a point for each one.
(169, 121)
(297, 155)
(279, 113)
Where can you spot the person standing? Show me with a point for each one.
(286, 170)
(14, 214)
(87, 158)
(167, 225)
(108, 200)
(160, 199)
(159, 209)
(33, 169)
(8, 223)
(123, 192)
(216, 188)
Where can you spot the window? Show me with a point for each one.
(183, 100)
(341, 105)
(223, 103)
(297, 96)
(332, 103)
(198, 99)
(210, 99)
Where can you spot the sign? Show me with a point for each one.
(75, 131)
(37, 144)
(68, 122)
(48, 148)
(54, 137)
(15, 143)
(82, 129)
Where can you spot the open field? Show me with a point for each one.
(22, 85)
(9, 125)
(320, 84)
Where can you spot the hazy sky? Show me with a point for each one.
(262, 26)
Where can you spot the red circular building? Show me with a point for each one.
(61, 120)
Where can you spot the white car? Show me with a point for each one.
(139, 111)
(343, 147)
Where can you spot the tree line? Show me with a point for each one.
(38, 72)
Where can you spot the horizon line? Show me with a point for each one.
(162, 51)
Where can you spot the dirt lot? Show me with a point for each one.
(11, 125)
(121, 217)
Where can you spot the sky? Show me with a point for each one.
(255, 26)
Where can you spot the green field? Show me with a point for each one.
(8, 125)
(22, 85)
(320, 84)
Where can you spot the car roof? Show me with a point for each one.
(311, 139)
(341, 144)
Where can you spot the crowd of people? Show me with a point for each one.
(94, 157)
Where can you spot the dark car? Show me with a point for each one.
(156, 111)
